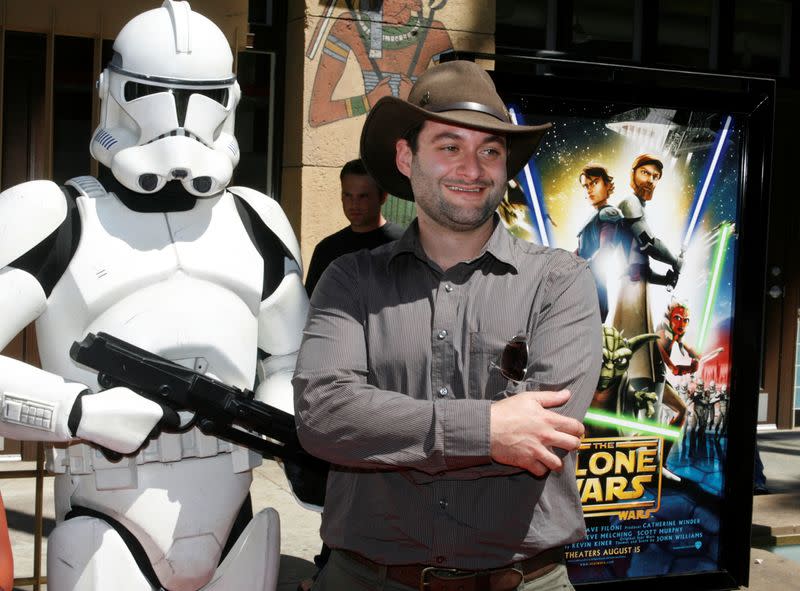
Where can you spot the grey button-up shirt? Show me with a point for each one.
(394, 384)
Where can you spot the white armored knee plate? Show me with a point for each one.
(168, 102)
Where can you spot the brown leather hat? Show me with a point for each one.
(459, 93)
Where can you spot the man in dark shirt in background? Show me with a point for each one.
(361, 201)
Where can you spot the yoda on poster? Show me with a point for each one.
(649, 198)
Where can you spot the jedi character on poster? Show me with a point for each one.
(649, 198)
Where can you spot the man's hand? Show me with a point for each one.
(523, 431)
(120, 420)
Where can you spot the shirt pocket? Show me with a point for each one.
(484, 379)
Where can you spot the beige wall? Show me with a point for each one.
(315, 147)
(85, 18)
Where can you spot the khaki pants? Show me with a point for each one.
(344, 574)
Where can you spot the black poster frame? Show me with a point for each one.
(572, 87)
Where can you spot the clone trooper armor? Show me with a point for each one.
(645, 245)
(163, 255)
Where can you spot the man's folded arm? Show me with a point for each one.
(343, 419)
(566, 348)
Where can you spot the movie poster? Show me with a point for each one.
(649, 197)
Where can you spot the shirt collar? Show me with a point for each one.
(500, 244)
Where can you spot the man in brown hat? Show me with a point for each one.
(445, 375)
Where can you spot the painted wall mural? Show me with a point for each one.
(393, 41)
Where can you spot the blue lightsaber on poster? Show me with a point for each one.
(532, 189)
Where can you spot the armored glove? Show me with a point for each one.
(118, 419)
(674, 273)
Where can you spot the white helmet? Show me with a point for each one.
(168, 102)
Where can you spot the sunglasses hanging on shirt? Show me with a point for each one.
(513, 365)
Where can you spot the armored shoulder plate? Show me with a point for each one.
(272, 216)
(29, 212)
(87, 186)
(631, 208)
(609, 214)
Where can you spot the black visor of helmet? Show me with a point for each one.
(134, 90)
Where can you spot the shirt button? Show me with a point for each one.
(443, 503)
(443, 392)
(439, 559)
(448, 288)
(441, 334)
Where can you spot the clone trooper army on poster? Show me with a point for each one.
(164, 255)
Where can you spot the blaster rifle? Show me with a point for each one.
(218, 408)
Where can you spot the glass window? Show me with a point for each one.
(400, 211)
(797, 376)
(602, 29)
(684, 32)
(73, 86)
(260, 12)
(759, 36)
(254, 122)
(520, 26)
(24, 139)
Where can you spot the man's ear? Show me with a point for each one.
(403, 156)
(384, 197)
